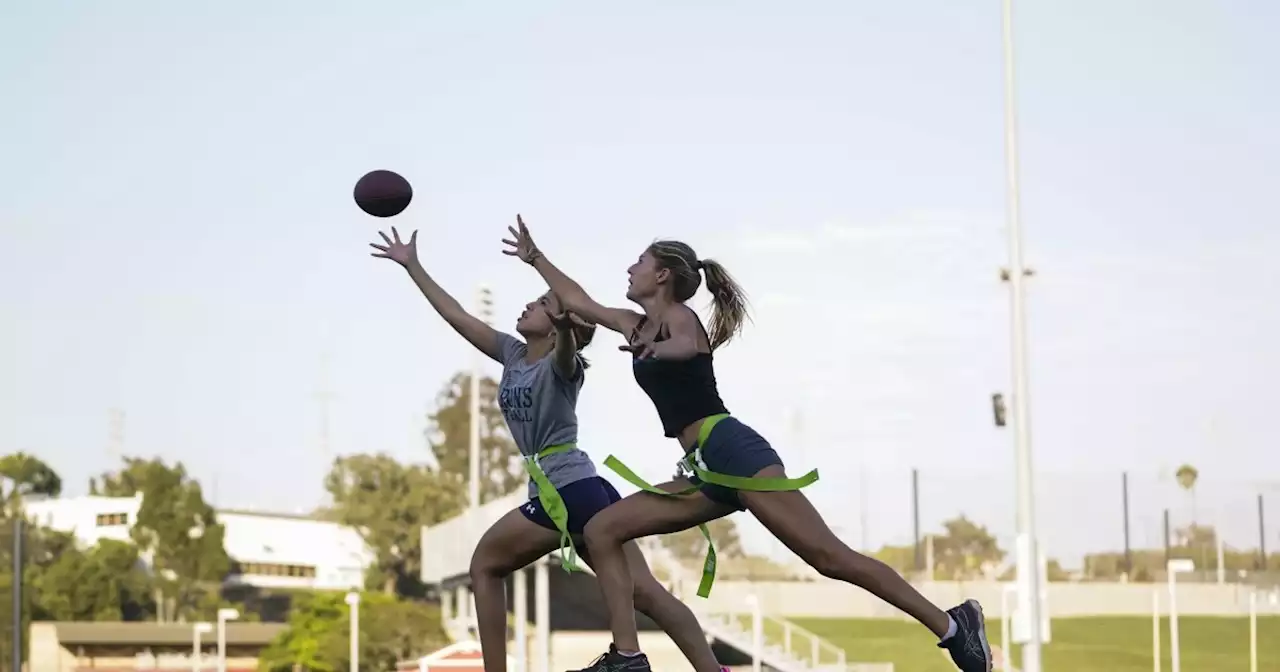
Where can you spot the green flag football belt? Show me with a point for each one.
(692, 464)
(553, 503)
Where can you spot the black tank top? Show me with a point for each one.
(683, 392)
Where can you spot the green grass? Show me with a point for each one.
(1112, 644)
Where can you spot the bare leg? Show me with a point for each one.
(639, 515)
(513, 542)
(793, 520)
(673, 616)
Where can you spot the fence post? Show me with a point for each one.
(1128, 551)
(915, 516)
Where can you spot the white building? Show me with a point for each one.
(267, 550)
(89, 518)
(283, 551)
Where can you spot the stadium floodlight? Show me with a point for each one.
(1175, 567)
(1016, 274)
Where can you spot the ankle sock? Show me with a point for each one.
(951, 629)
(628, 654)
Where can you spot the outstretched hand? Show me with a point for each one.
(561, 320)
(521, 243)
(565, 319)
(400, 252)
(641, 348)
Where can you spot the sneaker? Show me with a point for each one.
(612, 661)
(969, 648)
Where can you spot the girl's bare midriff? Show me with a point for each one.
(689, 435)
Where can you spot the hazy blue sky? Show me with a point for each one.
(179, 239)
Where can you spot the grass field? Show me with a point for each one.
(1113, 644)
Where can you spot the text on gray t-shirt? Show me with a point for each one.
(539, 405)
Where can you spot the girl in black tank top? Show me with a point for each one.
(673, 364)
(552, 338)
(682, 391)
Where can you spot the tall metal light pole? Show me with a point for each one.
(17, 592)
(1016, 274)
(484, 310)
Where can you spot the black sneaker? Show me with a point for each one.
(612, 661)
(969, 648)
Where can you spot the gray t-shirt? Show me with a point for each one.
(539, 405)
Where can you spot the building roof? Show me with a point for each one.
(272, 514)
(461, 655)
(258, 537)
(79, 633)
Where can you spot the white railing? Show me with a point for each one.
(785, 645)
(447, 546)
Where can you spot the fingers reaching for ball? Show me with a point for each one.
(520, 243)
(395, 249)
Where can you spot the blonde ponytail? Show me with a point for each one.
(729, 303)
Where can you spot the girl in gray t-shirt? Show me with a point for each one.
(541, 377)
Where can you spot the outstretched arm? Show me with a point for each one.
(479, 334)
(682, 342)
(577, 300)
(566, 353)
(572, 296)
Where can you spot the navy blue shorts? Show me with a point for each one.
(733, 449)
(583, 499)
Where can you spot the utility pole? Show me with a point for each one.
(1015, 276)
(16, 663)
(324, 399)
(484, 310)
(115, 435)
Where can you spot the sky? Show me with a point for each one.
(180, 242)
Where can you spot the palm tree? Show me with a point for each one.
(1186, 476)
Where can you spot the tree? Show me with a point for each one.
(965, 550)
(690, 546)
(1187, 476)
(317, 639)
(901, 558)
(449, 437)
(104, 583)
(387, 503)
(27, 475)
(175, 526)
(60, 580)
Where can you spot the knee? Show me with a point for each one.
(602, 533)
(646, 596)
(483, 566)
(826, 559)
